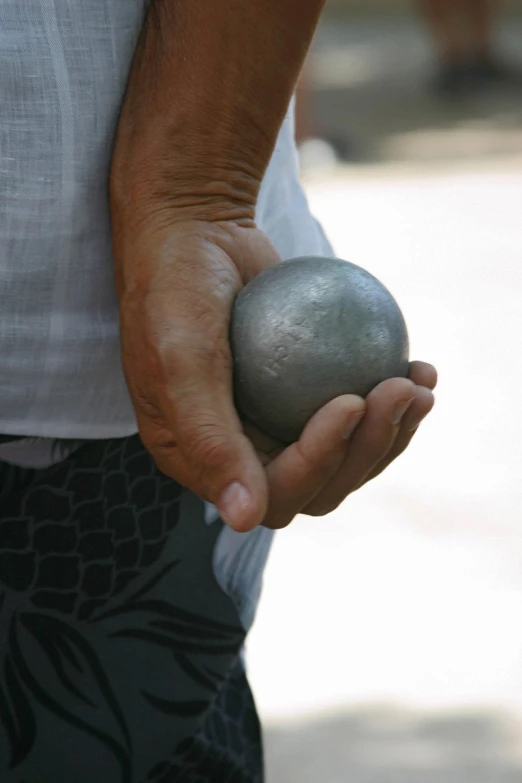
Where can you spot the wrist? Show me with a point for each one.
(166, 180)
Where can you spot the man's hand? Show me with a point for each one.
(210, 84)
(177, 287)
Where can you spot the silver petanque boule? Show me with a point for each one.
(308, 330)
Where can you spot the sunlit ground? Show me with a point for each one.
(410, 595)
(388, 644)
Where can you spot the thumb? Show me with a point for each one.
(208, 451)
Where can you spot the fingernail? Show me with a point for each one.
(400, 410)
(235, 504)
(352, 424)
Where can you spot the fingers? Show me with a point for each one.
(423, 374)
(302, 469)
(315, 475)
(387, 405)
(419, 409)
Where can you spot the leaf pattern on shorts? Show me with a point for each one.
(75, 674)
(102, 556)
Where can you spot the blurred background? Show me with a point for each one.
(388, 643)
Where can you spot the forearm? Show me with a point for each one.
(209, 87)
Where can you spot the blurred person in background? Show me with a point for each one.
(464, 37)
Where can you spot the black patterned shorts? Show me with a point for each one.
(120, 654)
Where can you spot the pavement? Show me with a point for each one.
(388, 643)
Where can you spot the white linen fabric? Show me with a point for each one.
(63, 71)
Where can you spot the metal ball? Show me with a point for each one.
(308, 330)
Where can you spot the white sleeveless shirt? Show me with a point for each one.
(63, 71)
